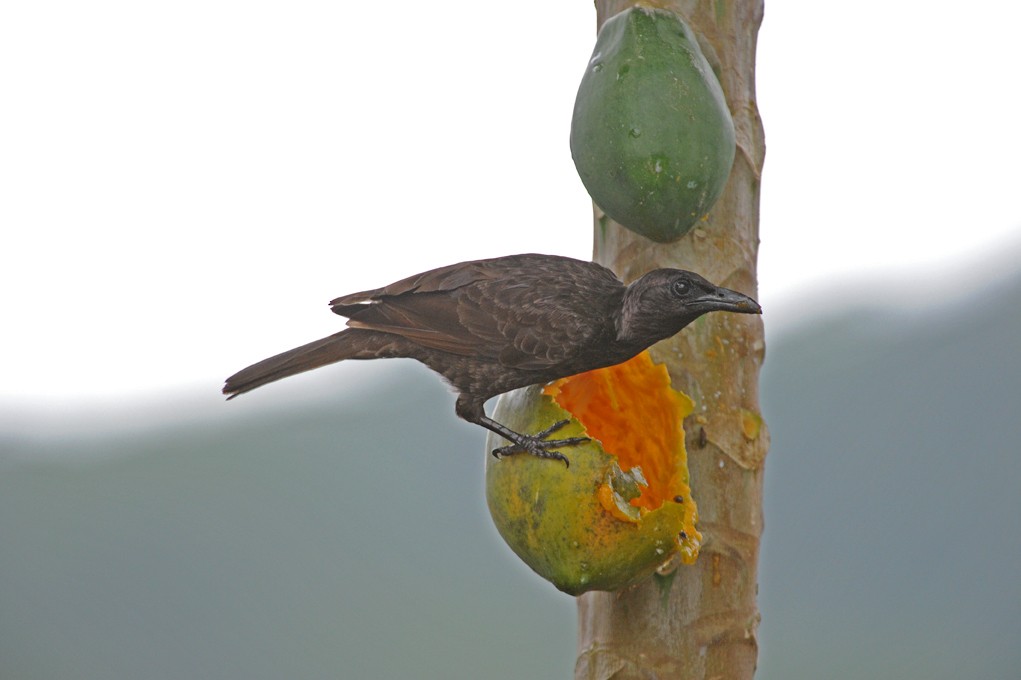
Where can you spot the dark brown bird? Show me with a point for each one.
(491, 326)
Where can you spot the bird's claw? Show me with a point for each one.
(537, 445)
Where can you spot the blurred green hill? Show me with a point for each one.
(893, 487)
(347, 537)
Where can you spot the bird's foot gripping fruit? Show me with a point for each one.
(539, 445)
(624, 506)
(652, 137)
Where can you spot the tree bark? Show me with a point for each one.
(700, 621)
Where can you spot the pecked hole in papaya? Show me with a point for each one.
(637, 416)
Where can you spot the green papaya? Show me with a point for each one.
(652, 137)
(624, 506)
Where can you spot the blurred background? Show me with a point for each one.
(184, 187)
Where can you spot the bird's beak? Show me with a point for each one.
(727, 300)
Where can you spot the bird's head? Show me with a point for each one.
(662, 302)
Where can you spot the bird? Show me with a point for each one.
(494, 325)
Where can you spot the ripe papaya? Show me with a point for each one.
(623, 507)
(651, 136)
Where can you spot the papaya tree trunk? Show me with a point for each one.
(700, 621)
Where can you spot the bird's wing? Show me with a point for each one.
(429, 319)
(501, 309)
(444, 279)
(422, 308)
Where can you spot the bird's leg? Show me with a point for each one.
(534, 444)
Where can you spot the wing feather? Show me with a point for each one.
(502, 309)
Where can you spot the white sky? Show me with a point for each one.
(183, 186)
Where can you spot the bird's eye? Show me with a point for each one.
(680, 287)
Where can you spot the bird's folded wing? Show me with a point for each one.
(440, 280)
(504, 309)
(498, 321)
(429, 319)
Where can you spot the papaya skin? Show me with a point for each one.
(651, 136)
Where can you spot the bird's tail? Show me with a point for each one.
(337, 347)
